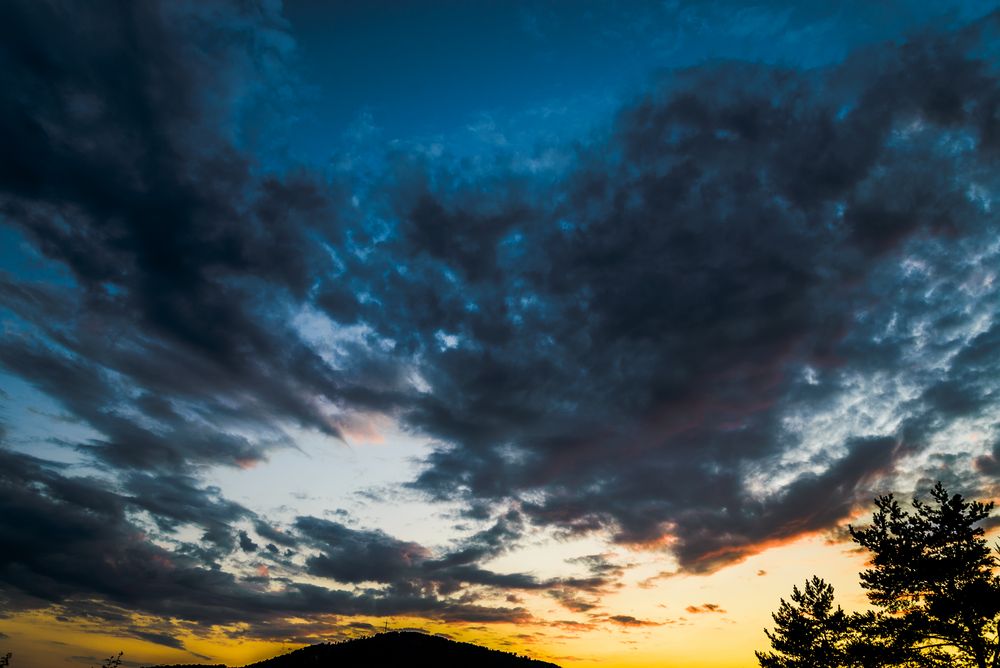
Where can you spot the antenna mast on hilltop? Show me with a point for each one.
(386, 629)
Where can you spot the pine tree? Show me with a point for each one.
(933, 581)
(934, 574)
(808, 632)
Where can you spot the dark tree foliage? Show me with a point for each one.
(113, 661)
(5, 660)
(933, 580)
(876, 639)
(808, 631)
(933, 571)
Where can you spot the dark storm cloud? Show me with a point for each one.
(491, 542)
(350, 555)
(67, 536)
(613, 349)
(173, 501)
(268, 532)
(173, 438)
(70, 543)
(359, 556)
(812, 503)
(246, 542)
(622, 356)
(173, 338)
(597, 564)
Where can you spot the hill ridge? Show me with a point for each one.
(392, 648)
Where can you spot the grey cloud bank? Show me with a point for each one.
(622, 349)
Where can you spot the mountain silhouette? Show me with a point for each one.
(395, 648)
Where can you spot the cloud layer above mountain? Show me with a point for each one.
(754, 296)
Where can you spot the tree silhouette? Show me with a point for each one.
(808, 631)
(5, 660)
(113, 661)
(933, 580)
(933, 571)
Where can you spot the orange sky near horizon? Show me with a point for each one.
(745, 594)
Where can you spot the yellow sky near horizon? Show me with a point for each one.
(740, 599)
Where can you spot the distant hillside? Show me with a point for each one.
(398, 648)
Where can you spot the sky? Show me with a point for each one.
(581, 330)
